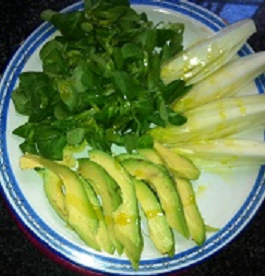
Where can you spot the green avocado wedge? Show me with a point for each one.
(178, 165)
(151, 155)
(102, 235)
(123, 156)
(126, 217)
(82, 217)
(106, 189)
(184, 187)
(160, 232)
(53, 186)
(192, 213)
(159, 179)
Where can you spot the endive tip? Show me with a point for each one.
(201, 59)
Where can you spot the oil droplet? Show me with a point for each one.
(139, 173)
(153, 214)
(189, 201)
(222, 112)
(242, 108)
(201, 189)
(124, 219)
(194, 61)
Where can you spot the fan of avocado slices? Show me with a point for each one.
(125, 185)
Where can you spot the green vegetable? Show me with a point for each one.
(225, 82)
(226, 151)
(100, 81)
(53, 187)
(210, 228)
(216, 119)
(81, 216)
(191, 210)
(204, 58)
(160, 232)
(102, 236)
(184, 187)
(158, 179)
(107, 189)
(126, 217)
(176, 164)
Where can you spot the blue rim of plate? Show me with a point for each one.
(62, 247)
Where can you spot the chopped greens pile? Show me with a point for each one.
(100, 81)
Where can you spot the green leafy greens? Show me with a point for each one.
(100, 81)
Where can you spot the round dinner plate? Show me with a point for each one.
(227, 199)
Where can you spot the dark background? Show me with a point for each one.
(244, 256)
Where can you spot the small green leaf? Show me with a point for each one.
(145, 142)
(147, 39)
(108, 114)
(143, 108)
(87, 27)
(171, 91)
(54, 64)
(98, 64)
(153, 78)
(28, 147)
(89, 79)
(88, 4)
(118, 58)
(77, 79)
(131, 51)
(163, 36)
(47, 15)
(163, 111)
(49, 47)
(130, 142)
(96, 138)
(69, 24)
(113, 13)
(176, 118)
(122, 82)
(25, 130)
(114, 137)
(174, 44)
(156, 119)
(60, 111)
(75, 136)
(66, 92)
(34, 95)
(50, 142)
(131, 15)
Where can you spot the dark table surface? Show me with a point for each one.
(245, 255)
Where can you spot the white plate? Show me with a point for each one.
(227, 200)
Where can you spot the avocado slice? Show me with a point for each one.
(126, 217)
(123, 156)
(192, 213)
(210, 228)
(81, 215)
(178, 165)
(151, 155)
(103, 186)
(158, 178)
(159, 230)
(102, 235)
(53, 190)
